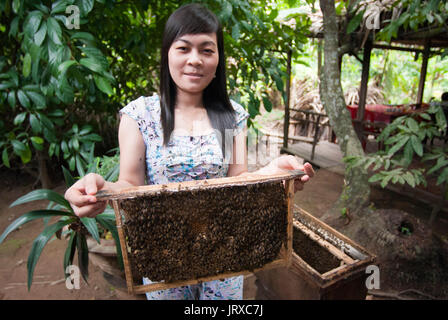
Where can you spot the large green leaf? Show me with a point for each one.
(40, 35)
(103, 84)
(37, 98)
(107, 221)
(91, 226)
(69, 180)
(30, 216)
(70, 251)
(26, 65)
(83, 255)
(63, 67)
(92, 64)
(54, 30)
(39, 244)
(43, 194)
(23, 99)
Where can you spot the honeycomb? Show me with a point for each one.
(175, 236)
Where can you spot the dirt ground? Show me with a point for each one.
(318, 196)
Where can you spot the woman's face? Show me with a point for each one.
(192, 61)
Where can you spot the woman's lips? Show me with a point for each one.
(193, 75)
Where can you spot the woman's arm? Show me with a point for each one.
(238, 165)
(81, 195)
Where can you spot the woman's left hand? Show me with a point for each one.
(289, 162)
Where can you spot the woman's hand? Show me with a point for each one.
(81, 196)
(289, 162)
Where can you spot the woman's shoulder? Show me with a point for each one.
(241, 113)
(143, 107)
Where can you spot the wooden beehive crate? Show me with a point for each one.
(119, 197)
(326, 265)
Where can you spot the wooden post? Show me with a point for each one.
(289, 188)
(316, 134)
(288, 93)
(421, 84)
(359, 124)
(124, 248)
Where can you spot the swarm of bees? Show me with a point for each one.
(175, 236)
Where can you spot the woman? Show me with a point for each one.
(182, 134)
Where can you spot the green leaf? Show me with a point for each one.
(412, 124)
(12, 99)
(417, 145)
(408, 152)
(54, 30)
(267, 104)
(23, 99)
(30, 216)
(70, 251)
(409, 179)
(43, 194)
(16, 6)
(355, 22)
(40, 35)
(69, 180)
(85, 5)
(32, 23)
(92, 64)
(19, 147)
(108, 222)
(63, 67)
(37, 98)
(19, 118)
(91, 226)
(83, 36)
(37, 140)
(39, 244)
(14, 27)
(36, 126)
(83, 255)
(5, 158)
(398, 146)
(443, 177)
(236, 32)
(103, 84)
(26, 65)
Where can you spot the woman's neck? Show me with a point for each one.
(188, 101)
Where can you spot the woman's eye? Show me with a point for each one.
(182, 48)
(208, 51)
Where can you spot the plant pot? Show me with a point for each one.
(104, 256)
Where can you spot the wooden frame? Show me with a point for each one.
(285, 255)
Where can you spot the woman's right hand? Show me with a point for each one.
(81, 196)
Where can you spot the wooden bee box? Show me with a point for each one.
(185, 233)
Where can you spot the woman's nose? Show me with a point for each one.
(194, 58)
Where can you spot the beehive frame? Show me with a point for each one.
(284, 257)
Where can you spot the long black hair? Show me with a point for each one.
(194, 19)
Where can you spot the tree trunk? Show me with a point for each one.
(356, 191)
(44, 177)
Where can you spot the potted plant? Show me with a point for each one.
(76, 230)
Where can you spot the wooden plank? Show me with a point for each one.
(326, 155)
(289, 188)
(126, 193)
(362, 251)
(124, 248)
(139, 289)
(323, 243)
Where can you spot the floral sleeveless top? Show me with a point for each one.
(185, 157)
